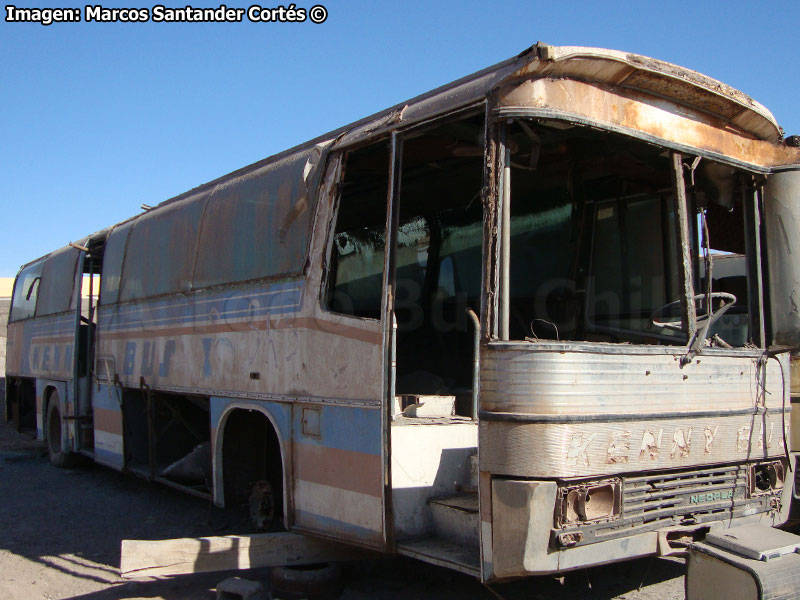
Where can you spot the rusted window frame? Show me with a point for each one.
(340, 155)
(492, 322)
(683, 243)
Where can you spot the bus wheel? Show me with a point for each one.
(58, 456)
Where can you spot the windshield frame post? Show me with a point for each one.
(684, 245)
(505, 235)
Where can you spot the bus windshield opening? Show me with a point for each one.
(593, 242)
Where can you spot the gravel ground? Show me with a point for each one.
(60, 534)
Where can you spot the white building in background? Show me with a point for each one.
(6, 287)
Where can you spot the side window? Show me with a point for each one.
(258, 225)
(159, 258)
(112, 264)
(355, 266)
(57, 287)
(26, 291)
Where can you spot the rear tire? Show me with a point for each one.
(58, 456)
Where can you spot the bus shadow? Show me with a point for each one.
(626, 579)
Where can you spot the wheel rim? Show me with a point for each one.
(54, 431)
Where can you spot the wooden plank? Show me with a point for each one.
(150, 558)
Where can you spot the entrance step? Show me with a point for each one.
(457, 519)
(443, 553)
(425, 405)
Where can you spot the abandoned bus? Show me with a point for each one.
(528, 322)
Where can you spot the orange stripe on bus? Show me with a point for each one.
(310, 323)
(344, 469)
(108, 420)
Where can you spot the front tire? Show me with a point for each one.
(58, 456)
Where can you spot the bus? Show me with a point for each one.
(535, 320)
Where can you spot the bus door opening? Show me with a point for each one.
(87, 331)
(438, 262)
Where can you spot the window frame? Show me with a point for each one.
(47, 264)
(32, 315)
(337, 159)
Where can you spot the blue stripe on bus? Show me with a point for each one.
(54, 326)
(108, 397)
(277, 299)
(343, 427)
(330, 526)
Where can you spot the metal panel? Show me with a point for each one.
(42, 347)
(782, 221)
(659, 78)
(598, 378)
(254, 339)
(337, 483)
(656, 501)
(599, 448)
(107, 419)
(549, 412)
(641, 114)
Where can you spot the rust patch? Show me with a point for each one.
(650, 115)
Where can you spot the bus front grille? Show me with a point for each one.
(675, 498)
(686, 495)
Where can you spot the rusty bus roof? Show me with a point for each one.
(614, 68)
(621, 69)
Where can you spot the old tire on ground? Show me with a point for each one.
(58, 456)
(317, 582)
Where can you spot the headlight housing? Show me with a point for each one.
(766, 477)
(589, 502)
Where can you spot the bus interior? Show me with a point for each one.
(595, 255)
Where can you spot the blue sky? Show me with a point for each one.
(97, 118)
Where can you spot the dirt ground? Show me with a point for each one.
(60, 534)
